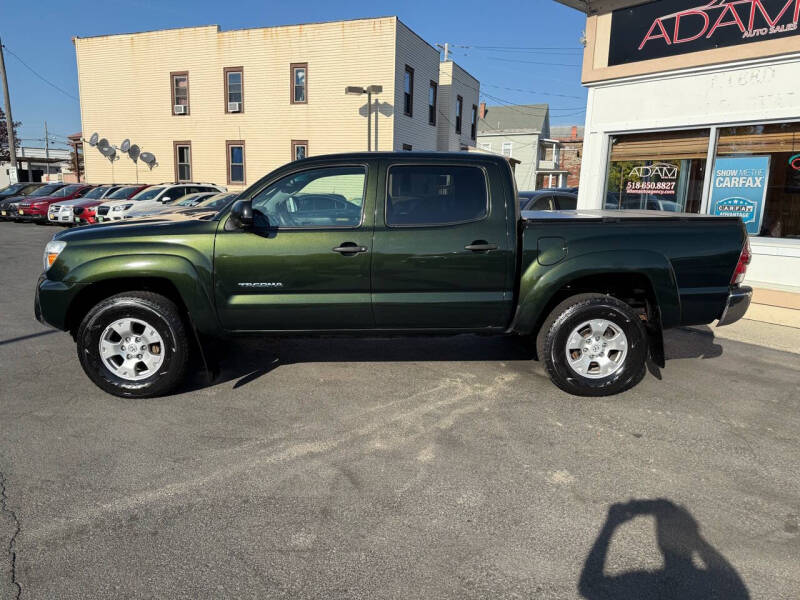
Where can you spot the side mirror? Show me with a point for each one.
(242, 214)
(165, 199)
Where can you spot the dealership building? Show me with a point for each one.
(694, 106)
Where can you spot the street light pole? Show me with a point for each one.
(355, 90)
(369, 120)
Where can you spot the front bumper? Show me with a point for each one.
(736, 306)
(26, 216)
(52, 301)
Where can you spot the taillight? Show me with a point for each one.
(741, 266)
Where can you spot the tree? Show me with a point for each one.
(4, 154)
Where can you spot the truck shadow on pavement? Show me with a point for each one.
(247, 359)
(692, 568)
(687, 342)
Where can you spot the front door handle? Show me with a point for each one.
(480, 246)
(349, 248)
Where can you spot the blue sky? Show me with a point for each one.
(546, 70)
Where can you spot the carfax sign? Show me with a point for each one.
(738, 189)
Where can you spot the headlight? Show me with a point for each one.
(51, 252)
(121, 207)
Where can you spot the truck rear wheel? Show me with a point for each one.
(593, 345)
(134, 345)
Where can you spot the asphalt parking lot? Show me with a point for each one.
(391, 468)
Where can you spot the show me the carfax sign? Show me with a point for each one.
(739, 189)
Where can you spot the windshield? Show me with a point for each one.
(123, 193)
(148, 194)
(14, 188)
(67, 190)
(47, 190)
(217, 202)
(191, 199)
(97, 193)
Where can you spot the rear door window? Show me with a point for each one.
(430, 195)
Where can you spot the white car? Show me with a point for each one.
(187, 200)
(150, 199)
(62, 212)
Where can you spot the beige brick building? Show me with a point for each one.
(229, 106)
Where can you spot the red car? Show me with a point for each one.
(34, 207)
(84, 212)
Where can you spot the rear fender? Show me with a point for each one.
(540, 284)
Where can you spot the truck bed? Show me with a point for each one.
(687, 257)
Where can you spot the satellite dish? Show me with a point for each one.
(109, 152)
(93, 139)
(148, 158)
(106, 149)
(134, 152)
(125, 145)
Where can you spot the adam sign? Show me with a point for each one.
(671, 27)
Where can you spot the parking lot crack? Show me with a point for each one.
(12, 542)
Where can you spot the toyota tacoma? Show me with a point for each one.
(375, 244)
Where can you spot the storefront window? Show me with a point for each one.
(657, 171)
(757, 175)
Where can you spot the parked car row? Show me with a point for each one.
(82, 204)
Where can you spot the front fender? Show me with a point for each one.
(176, 269)
(539, 284)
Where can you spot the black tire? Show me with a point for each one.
(551, 344)
(158, 312)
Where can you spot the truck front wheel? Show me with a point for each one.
(593, 345)
(134, 345)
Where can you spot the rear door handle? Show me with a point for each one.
(480, 246)
(349, 248)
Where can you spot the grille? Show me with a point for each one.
(103, 210)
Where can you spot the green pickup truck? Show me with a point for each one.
(391, 243)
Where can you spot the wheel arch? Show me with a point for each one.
(171, 276)
(645, 280)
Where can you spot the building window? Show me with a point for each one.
(179, 82)
(299, 149)
(657, 171)
(235, 151)
(408, 92)
(407, 147)
(432, 103)
(473, 128)
(234, 89)
(507, 148)
(756, 176)
(183, 161)
(459, 113)
(299, 83)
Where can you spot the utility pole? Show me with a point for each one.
(12, 143)
(46, 150)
